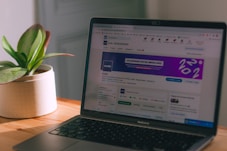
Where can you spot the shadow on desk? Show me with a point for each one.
(14, 135)
(7, 120)
(14, 131)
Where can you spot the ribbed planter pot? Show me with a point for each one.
(29, 96)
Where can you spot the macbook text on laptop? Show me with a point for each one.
(149, 85)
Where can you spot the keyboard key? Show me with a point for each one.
(125, 136)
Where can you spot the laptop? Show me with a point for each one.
(149, 85)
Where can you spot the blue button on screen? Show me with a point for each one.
(173, 80)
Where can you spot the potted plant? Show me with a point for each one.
(27, 87)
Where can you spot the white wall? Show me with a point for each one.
(68, 21)
(206, 10)
(16, 16)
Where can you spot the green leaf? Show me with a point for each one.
(35, 67)
(8, 48)
(35, 49)
(7, 64)
(23, 59)
(26, 40)
(49, 55)
(10, 74)
(40, 60)
(31, 51)
(43, 49)
(31, 43)
(41, 54)
(57, 54)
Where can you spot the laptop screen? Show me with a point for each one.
(156, 72)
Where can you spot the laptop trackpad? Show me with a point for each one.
(90, 146)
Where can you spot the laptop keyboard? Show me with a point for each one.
(125, 136)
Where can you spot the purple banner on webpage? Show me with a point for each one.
(156, 65)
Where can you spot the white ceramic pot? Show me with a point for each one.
(29, 96)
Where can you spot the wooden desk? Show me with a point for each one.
(13, 131)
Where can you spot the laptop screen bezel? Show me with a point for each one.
(156, 123)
